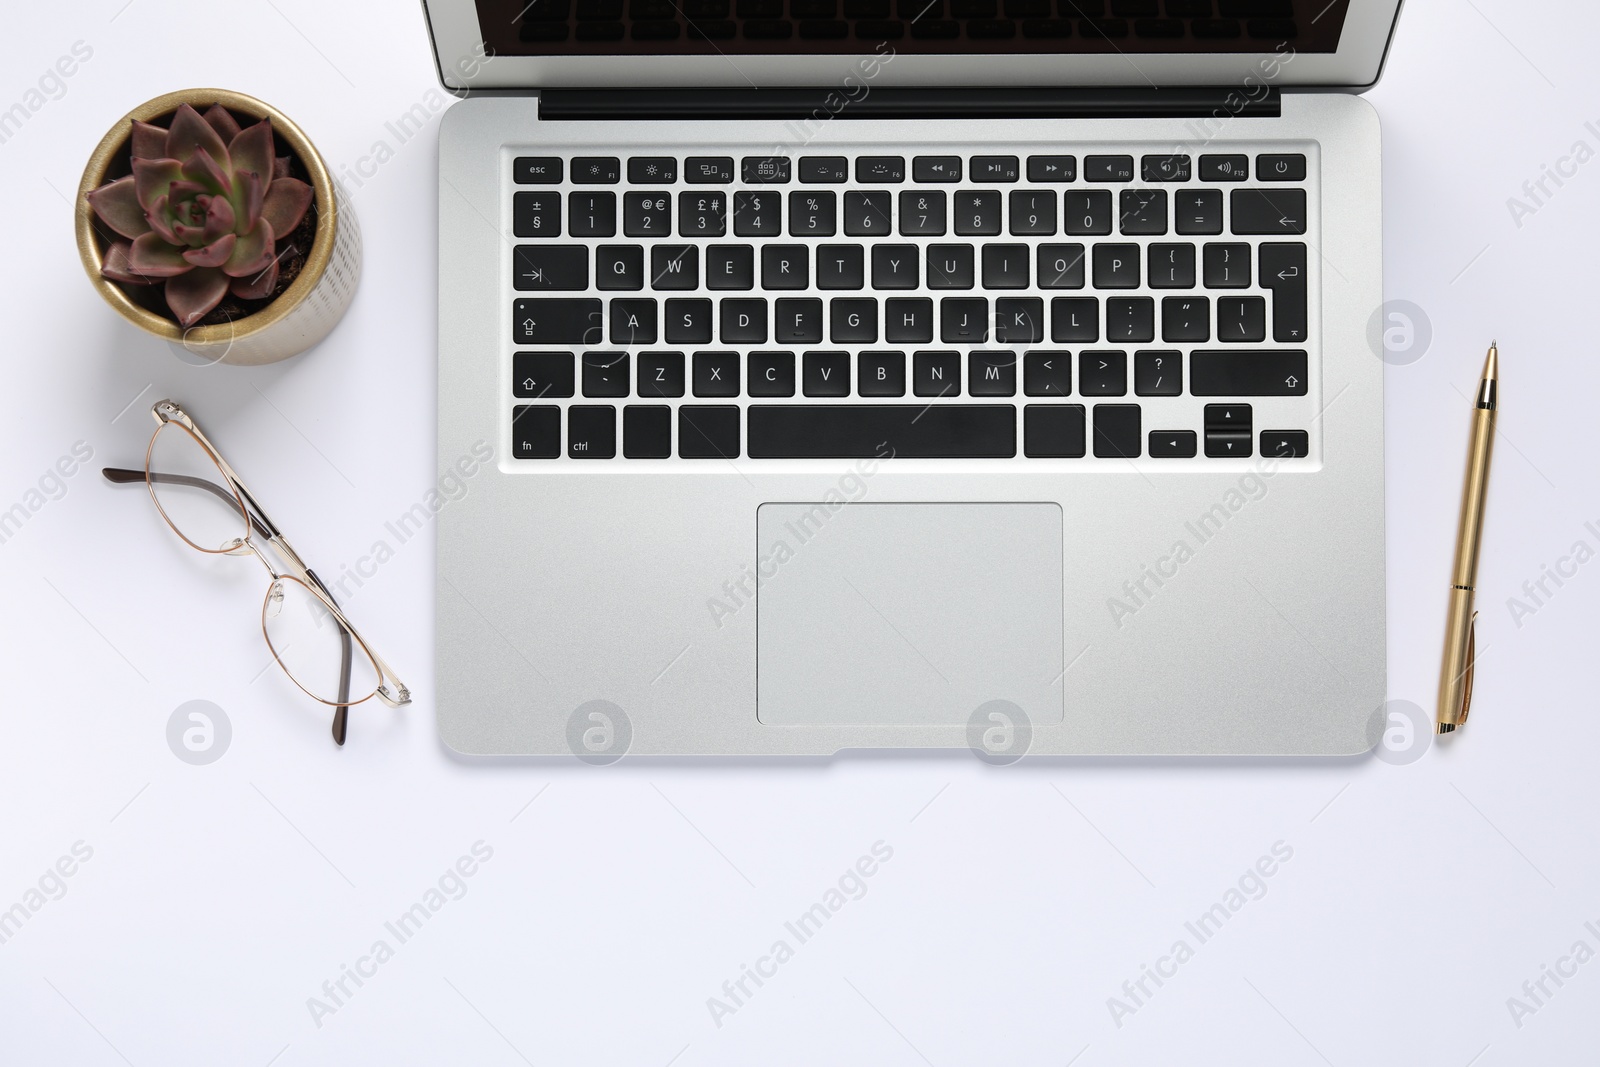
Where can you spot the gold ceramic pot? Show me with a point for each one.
(302, 314)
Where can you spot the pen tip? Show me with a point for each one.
(1446, 727)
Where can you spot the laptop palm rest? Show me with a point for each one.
(907, 614)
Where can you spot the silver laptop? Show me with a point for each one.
(880, 374)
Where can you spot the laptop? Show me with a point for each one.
(822, 375)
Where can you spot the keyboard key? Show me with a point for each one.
(1197, 211)
(894, 266)
(1116, 431)
(1227, 266)
(813, 214)
(1087, 212)
(1103, 373)
(1283, 270)
(633, 322)
(1158, 372)
(708, 170)
(1143, 211)
(619, 267)
(840, 267)
(1281, 168)
(992, 374)
(1108, 168)
(1173, 444)
(785, 267)
(936, 374)
(1033, 212)
(1286, 444)
(994, 168)
(757, 214)
(797, 321)
(820, 170)
(1230, 168)
(853, 321)
(550, 267)
(908, 320)
(936, 169)
(1019, 321)
(1173, 168)
(881, 169)
(688, 322)
(1185, 319)
(660, 374)
(537, 170)
(950, 267)
(1061, 266)
(652, 170)
(730, 267)
(1075, 319)
(716, 374)
(1116, 266)
(647, 431)
(978, 212)
(744, 322)
(825, 374)
(536, 431)
(1171, 266)
(771, 374)
(556, 321)
(596, 170)
(1052, 168)
(1131, 320)
(708, 431)
(881, 374)
(1248, 372)
(536, 214)
(605, 374)
(675, 267)
(1005, 266)
(866, 214)
(702, 214)
(1047, 374)
(541, 374)
(592, 431)
(865, 431)
(592, 214)
(1269, 211)
(765, 170)
(1241, 318)
(1053, 431)
(921, 213)
(646, 215)
(963, 321)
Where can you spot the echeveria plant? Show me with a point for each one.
(203, 211)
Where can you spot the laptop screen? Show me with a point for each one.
(1131, 28)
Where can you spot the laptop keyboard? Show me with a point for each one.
(969, 305)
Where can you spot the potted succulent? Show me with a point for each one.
(207, 218)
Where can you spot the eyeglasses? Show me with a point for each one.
(206, 505)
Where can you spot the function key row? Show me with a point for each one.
(823, 170)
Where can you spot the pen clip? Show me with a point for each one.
(1472, 663)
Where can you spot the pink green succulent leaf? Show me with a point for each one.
(117, 268)
(153, 178)
(191, 296)
(221, 119)
(252, 150)
(220, 218)
(248, 193)
(161, 222)
(148, 141)
(285, 204)
(156, 258)
(257, 286)
(280, 167)
(117, 205)
(189, 131)
(214, 254)
(252, 252)
(209, 172)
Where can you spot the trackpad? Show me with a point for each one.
(907, 614)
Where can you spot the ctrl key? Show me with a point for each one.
(536, 431)
(592, 431)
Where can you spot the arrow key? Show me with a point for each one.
(1172, 444)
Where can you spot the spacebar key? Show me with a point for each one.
(863, 431)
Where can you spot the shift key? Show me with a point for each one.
(540, 321)
(1247, 372)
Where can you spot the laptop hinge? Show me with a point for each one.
(906, 103)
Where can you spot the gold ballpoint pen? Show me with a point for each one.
(1455, 680)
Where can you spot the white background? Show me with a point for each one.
(219, 899)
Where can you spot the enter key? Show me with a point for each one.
(1283, 270)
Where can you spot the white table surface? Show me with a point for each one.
(219, 899)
